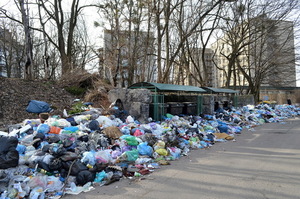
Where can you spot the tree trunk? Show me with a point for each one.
(28, 72)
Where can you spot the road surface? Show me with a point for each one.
(260, 164)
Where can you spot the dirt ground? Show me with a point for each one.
(15, 95)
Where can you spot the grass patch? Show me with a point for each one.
(76, 90)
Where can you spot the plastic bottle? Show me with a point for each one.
(43, 171)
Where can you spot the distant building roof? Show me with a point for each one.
(219, 90)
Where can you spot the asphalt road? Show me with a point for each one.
(260, 164)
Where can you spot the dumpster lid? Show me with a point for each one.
(166, 87)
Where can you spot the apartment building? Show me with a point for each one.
(128, 56)
(266, 52)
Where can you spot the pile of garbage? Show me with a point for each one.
(54, 155)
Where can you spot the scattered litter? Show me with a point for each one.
(53, 155)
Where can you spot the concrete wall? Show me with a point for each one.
(281, 95)
(208, 104)
(135, 101)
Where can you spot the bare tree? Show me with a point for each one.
(128, 42)
(58, 23)
(28, 38)
(65, 25)
(248, 53)
(199, 70)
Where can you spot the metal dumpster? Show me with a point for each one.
(190, 108)
(175, 108)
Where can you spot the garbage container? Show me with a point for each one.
(157, 110)
(190, 108)
(175, 108)
(165, 108)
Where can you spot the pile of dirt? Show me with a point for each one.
(16, 93)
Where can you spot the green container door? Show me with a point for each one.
(199, 104)
(235, 100)
(157, 108)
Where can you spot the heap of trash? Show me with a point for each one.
(51, 156)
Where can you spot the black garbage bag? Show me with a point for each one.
(57, 151)
(192, 130)
(9, 159)
(83, 138)
(69, 156)
(67, 143)
(210, 138)
(43, 165)
(84, 177)
(75, 167)
(9, 156)
(38, 138)
(72, 121)
(46, 148)
(94, 125)
(98, 167)
(55, 164)
(53, 139)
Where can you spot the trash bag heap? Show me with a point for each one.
(53, 156)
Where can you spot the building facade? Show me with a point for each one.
(201, 68)
(11, 55)
(266, 52)
(128, 57)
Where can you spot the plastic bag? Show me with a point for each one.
(19, 182)
(131, 140)
(63, 123)
(129, 119)
(69, 130)
(27, 140)
(103, 156)
(138, 133)
(35, 106)
(116, 154)
(175, 152)
(54, 130)
(89, 158)
(162, 152)
(21, 149)
(143, 160)
(38, 181)
(125, 130)
(37, 193)
(104, 121)
(223, 128)
(145, 149)
(43, 128)
(100, 176)
(159, 145)
(132, 155)
(53, 184)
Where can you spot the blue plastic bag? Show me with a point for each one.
(43, 128)
(223, 128)
(21, 149)
(145, 149)
(73, 129)
(35, 106)
(100, 176)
